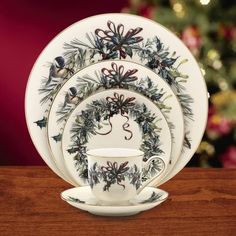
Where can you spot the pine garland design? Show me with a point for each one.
(91, 120)
(115, 42)
(151, 53)
(87, 85)
(112, 173)
(153, 198)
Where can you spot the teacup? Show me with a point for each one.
(115, 174)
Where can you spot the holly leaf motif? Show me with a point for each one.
(73, 150)
(57, 138)
(41, 123)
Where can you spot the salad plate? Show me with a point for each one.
(82, 198)
(114, 74)
(116, 118)
(109, 37)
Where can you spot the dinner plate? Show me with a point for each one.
(125, 37)
(116, 118)
(114, 74)
(82, 198)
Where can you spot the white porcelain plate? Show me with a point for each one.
(116, 118)
(114, 74)
(117, 36)
(82, 198)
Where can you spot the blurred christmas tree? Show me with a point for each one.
(208, 29)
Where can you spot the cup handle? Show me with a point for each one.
(160, 166)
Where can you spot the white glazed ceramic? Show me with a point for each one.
(112, 74)
(117, 36)
(115, 174)
(115, 118)
(82, 198)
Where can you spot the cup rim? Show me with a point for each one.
(118, 152)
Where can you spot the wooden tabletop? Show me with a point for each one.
(201, 202)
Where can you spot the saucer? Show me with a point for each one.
(83, 198)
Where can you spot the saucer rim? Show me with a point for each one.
(157, 202)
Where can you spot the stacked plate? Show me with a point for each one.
(115, 80)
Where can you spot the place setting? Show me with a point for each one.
(116, 187)
(116, 110)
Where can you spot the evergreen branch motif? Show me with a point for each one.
(49, 91)
(97, 116)
(108, 79)
(85, 87)
(187, 140)
(186, 103)
(156, 166)
(76, 200)
(114, 42)
(153, 198)
(112, 173)
(59, 71)
(158, 58)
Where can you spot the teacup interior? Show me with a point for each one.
(114, 152)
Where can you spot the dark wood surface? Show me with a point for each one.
(201, 202)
